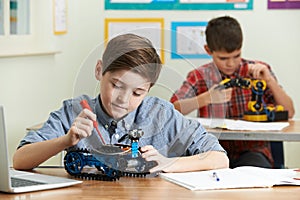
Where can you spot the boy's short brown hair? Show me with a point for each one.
(133, 52)
(224, 34)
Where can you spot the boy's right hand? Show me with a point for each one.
(82, 127)
(219, 95)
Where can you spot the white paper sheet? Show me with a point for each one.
(231, 124)
(240, 177)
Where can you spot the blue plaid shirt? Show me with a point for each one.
(164, 128)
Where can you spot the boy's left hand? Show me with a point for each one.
(260, 71)
(151, 154)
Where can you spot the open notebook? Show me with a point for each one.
(14, 181)
(240, 177)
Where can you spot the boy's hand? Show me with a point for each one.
(81, 128)
(260, 71)
(151, 154)
(219, 95)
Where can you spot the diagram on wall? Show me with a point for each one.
(188, 40)
(151, 28)
(60, 16)
(283, 4)
(178, 4)
(1, 18)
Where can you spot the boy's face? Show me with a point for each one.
(226, 62)
(122, 92)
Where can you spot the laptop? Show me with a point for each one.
(15, 181)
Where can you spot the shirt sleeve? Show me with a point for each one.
(170, 132)
(57, 125)
(200, 140)
(188, 89)
(187, 136)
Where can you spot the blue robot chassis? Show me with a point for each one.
(108, 162)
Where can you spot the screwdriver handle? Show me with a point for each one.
(84, 104)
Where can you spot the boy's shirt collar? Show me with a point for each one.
(127, 122)
(236, 74)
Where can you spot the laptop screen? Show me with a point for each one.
(45, 181)
(4, 163)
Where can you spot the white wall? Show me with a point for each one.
(33, 86)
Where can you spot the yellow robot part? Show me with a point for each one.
(256, 117)
(260, 83)
(251, 106)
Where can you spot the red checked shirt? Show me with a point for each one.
(203, 78)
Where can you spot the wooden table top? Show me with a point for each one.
(147, 188)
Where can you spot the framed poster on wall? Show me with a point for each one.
(188, 40)
(151, 28)
(59, 16)
(283, 4)
(178, 4)
(1, 18)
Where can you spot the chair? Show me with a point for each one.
(278, 154)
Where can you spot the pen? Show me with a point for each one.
(216, 176)
(84, 104)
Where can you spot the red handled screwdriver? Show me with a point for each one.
(84, 104)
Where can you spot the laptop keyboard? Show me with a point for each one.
(17, 182)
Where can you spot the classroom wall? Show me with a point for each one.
(32, 86)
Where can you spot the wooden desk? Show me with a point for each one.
(290, 133)
(148, 188)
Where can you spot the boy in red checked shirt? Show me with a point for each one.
(224, 43)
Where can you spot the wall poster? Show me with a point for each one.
(151, 28)
(178, 4)
(60, 16)
(283, 4)
(188, 40)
